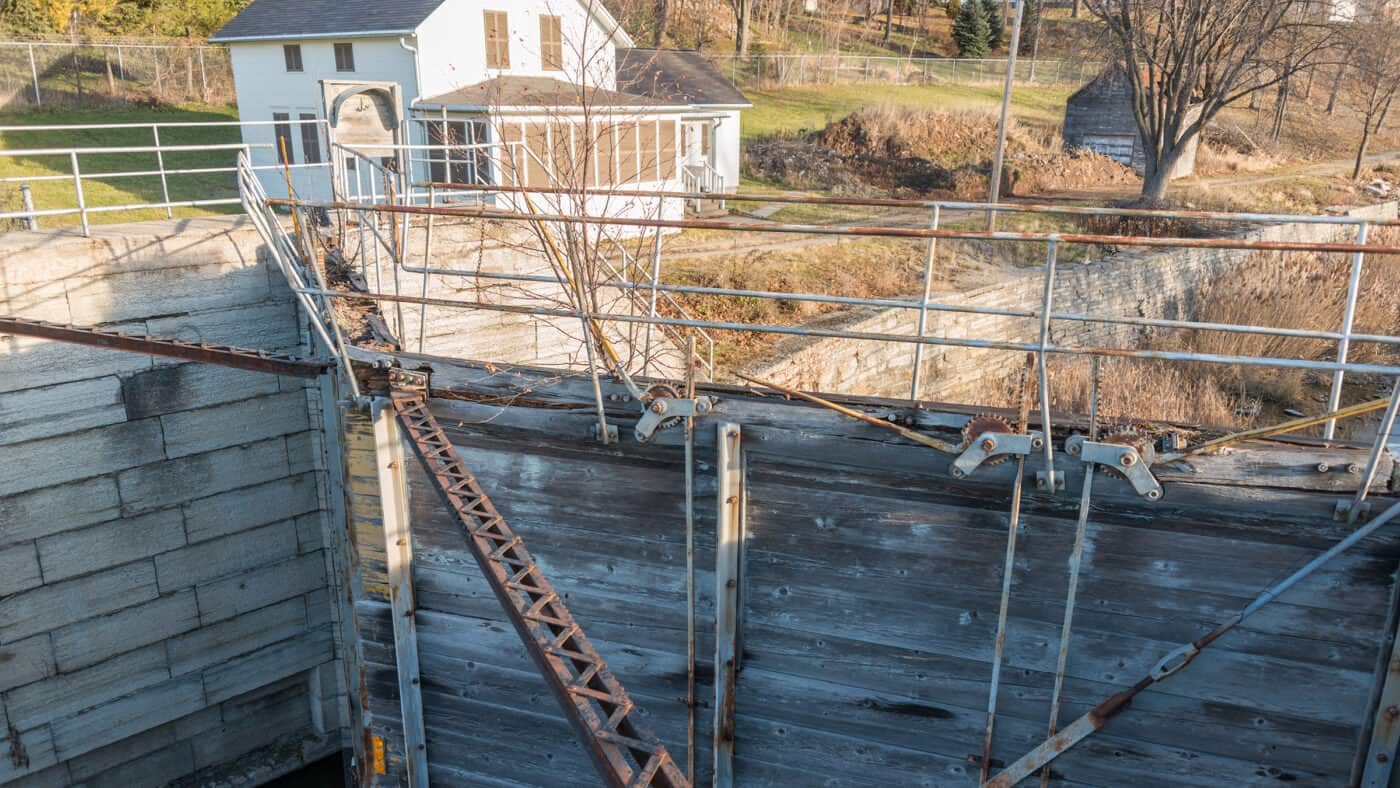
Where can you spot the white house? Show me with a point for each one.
(537, 94)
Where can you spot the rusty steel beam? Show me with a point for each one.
(199, 352)
(591, 697)
(848, 230)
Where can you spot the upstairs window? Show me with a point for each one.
(292, 54)
(551, 43)
(344, 57)
(497, 39)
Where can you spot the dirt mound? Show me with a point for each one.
(910, 152)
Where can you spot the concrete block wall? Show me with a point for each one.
(164, 612)
(1135, 282)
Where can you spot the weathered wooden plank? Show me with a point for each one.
(61, 696)
(89, 642)
(55, 410)
(234, 424)
(171, 482)
(43, 608)
(74, 553)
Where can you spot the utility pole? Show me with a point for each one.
(994, 188)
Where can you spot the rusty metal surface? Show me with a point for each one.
(199, 352)
(592, 698)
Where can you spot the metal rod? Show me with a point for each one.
(1160, 355)
(1334, 401)
(651, 308)
(78, 188)
(1076, 558)
(861, 231)
(1170, 665)
(690, 698)
(1387, 426)
(904, 432)
(160, 165)
(1008, 571)
(1278, 429)
(427, 260)
(1042, 357)
(929, 256)
(34, 74)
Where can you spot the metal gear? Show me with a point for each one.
(982, 424)
(1144, 445)
(663, 391)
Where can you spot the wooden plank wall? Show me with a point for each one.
(869, 600)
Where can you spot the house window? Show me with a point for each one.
(648, 153)
(291, 53)
(627, 164)
(283, 128)
(606, 146)
(310, 139)
(551, 43)
(497, 40)
(344, 57)
(667, 154)
(459, 164)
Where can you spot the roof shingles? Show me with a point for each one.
(290, 19)
(675, 76)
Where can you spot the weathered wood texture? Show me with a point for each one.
(163, 603)
(870, 587)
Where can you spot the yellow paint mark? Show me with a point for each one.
(378, 755)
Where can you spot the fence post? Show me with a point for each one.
(31, 222)
(78, 186)
(160, 165)
(34, 72)
(121, 69)
(203, 78)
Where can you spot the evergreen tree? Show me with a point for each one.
(996, 24)
(970, 30)
(1030, 26)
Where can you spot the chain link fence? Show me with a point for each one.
(90, 74)
(767, 71)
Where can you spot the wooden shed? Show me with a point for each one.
(1099, 117)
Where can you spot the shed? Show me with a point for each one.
(1099, 117)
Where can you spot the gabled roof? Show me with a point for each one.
(676, 76)
(273, 20)
(511, 92)
(287, 19)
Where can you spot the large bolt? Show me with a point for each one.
(658, 407)
(1353, 468)
(1127, 459)
(1323, 467)
(989, 445)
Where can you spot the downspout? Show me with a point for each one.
(406, 160)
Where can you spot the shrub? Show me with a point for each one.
(970, 31)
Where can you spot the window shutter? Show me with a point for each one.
(667, 153)
(497, 39)
(551, 43)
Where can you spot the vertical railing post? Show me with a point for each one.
(923, 304)
(1334, 400)
(728, 562)
(160, 165)
(31, 222)
(34, 74)
(1047, 481)
(651, 309)
(78, 187)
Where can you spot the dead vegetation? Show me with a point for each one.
(916, 152)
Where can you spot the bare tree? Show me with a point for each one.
(1375, 62)
(1187, 60)
(743, 10)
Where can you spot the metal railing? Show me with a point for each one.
(778, 70)
(76, 201)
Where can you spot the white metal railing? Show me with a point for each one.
(84, 208)
(702, 178)
(768, 70)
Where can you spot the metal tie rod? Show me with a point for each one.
(592, 698)
(200, 352)
(1171, 664)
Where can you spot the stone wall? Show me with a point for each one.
(164, 612)
(1139, 282)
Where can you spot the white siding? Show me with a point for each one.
(453, 44)
(728, 149)
(265, 86)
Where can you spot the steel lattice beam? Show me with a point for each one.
(201, 352)
(592, 698)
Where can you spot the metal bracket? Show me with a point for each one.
(664, 409)
(406, 380)
(994, 444)
(1343, 511)
(1124, 460)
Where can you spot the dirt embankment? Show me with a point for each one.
(916, 152)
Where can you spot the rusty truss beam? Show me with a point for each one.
(592, 698)
(200, 352)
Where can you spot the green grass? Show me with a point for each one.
(118, 191)
(790, 110)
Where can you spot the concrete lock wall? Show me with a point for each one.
(1134, 282)
(164, 612)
